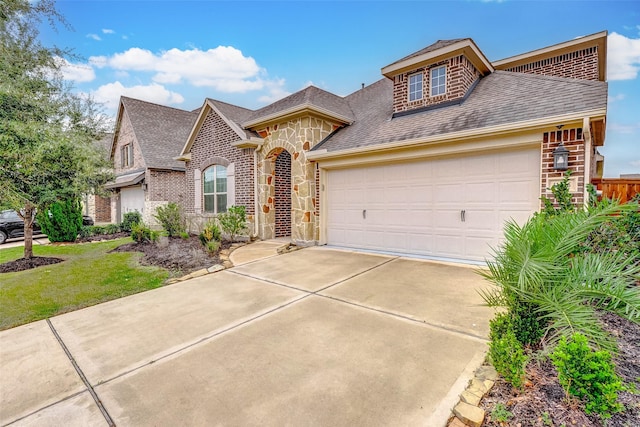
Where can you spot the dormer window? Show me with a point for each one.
(415, 87)
(439, 80)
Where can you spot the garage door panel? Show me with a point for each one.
(416, 207)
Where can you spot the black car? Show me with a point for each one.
(12, 226)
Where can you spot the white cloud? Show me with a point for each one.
(107, 31)
(620, 128)
(635, 163)
(276, 91)
(76, 72)
(224, 68)
(614, 98)
(110, 93)
(94, 36)
(623, 61)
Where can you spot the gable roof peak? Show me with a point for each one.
(440, 50)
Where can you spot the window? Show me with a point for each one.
(126, 155)
(439, 81)
(415, 87)
(214, 188)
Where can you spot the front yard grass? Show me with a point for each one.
(88, 276)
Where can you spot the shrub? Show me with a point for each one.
(234, 221)
(540, 270)
(111, 229)
(61, 221)
(171, 218)
(129, 219)
(501, 414)
(213, 246)
(86, 231)
(588, 375)
(506, 352)
(210, 232)
(184, 235)
(141, 233)
(563, 197)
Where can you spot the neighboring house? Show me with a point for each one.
(96, 206)
(430, 160)
(147, 137)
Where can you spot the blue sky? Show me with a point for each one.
(251, 53)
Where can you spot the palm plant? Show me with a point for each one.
(543, 267)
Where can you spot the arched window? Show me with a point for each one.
(214, 189)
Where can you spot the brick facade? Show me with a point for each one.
(212, 145)
(166, 185)
(126, 135)
(102, 209)
(573, 140)
(461, 75)
(581, 64)
(282, 195)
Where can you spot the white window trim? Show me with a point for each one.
(431, 87)
(421, 74)
(215, 193)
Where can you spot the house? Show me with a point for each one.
(146, 139)
(430, 160)
(98, 206)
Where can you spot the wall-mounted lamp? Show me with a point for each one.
(560, 158)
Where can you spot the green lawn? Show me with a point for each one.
(89, 275)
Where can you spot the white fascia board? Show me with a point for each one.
(458, 136)
(301, 108)
(392, 69)
(549, 49)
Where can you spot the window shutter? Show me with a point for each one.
(197, 182)
(231, 185)
(130, 162)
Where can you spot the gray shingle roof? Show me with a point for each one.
(161, 131)
(500, 98)
(311, 95)
(235, 114)
(437, 45)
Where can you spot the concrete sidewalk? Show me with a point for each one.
(312, 337)
(14, 243)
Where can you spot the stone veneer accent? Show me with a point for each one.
(573, 140)
(461, 74)
(212, 145)
(297, 136)
(581, 64)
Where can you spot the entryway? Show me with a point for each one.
(282, 196)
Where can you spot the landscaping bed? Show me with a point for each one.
(544, 403)
(27, 264)
(178, 255)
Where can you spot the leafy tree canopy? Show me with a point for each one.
(48, 134)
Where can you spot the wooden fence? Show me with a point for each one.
(618, 188)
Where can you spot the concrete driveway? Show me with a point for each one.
(314, 337)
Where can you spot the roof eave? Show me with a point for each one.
(557, 49)
(466, 47)
(295, 111)
(460, 135)
(252, 142)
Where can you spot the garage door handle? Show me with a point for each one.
(364, 214)
(462, 215)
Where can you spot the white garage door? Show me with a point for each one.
(131, 199)
(450, 208)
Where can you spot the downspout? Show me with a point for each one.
(256, 212)
(586, 132)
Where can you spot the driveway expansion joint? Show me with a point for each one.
(95, 397)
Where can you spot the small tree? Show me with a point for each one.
(233, 222)
(172, 219)
(61, 221)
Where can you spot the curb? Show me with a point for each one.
(467, 413)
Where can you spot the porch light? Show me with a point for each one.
(560, 158)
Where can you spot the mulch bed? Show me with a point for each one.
(101, 237)
(180, 256)
(543, 402)
(27, 264)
